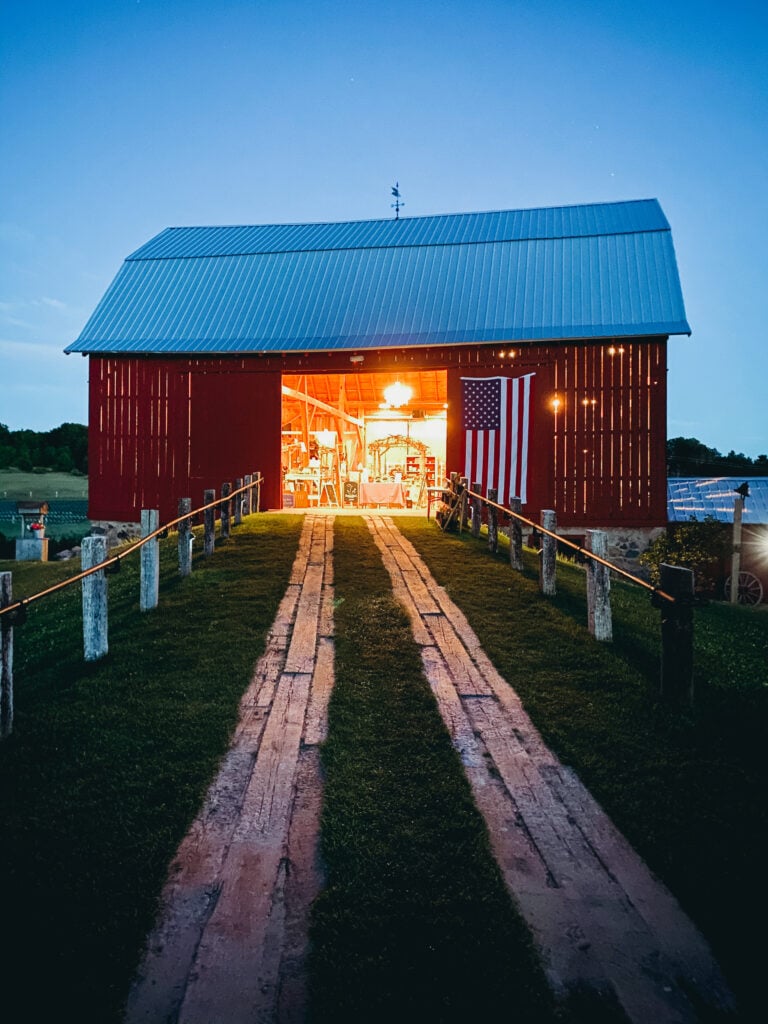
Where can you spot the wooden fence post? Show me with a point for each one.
(516, 536)
(209, 527)
(493, 522)
(548, 553)
(476, 513)
(598, 587)
(677, 633)
(238, 501)
(149, 587)
(226, 509)
(95, 624)
(185, 538)
(257, 476)
(464, 513)
(6, 657)
(248, 503)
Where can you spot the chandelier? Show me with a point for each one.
(397, 394)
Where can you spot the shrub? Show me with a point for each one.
(697, 545)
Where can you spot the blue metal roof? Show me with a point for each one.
(698, 498)
(605, 270)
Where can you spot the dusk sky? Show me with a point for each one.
(122, 117)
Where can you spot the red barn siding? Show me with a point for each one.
(161, 429)
(609, 434)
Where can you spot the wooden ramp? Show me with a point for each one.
(601, 920)
(230, 941)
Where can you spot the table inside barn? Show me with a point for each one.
(382, 494)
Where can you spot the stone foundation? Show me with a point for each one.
(625, 545)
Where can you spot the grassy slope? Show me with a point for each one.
(108, 762)
(687, 788)
(415, 924)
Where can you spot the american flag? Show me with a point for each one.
(496, 415)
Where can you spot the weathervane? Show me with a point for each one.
(397, 204)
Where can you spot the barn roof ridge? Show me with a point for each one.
(525, 224)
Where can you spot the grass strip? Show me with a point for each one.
(415, 924)
(109, 761)
(686, 787)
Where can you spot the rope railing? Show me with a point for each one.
(674, 598)
(17, 610)
(574, 546)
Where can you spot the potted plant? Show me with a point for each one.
(38, 530)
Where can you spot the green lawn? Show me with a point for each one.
(108, 762)
(687, 787)
(17, 485)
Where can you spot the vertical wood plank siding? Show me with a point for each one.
(150, 443)
(165, 428)
(609, 434)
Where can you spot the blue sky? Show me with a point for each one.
(121, 117)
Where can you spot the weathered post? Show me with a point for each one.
(738, 509)
(209, 524)
(598, 587)
(257, 476)
(548, 553)
(149, 588)
(476, 513)
(6, 657)
(464, 513)
(493, 522)
(185, 538)
(677, 633)
(226, 509)
(516, 536)
(248, 497)
(95, 624)
(238, 501)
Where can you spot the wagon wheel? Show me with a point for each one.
(750, 588)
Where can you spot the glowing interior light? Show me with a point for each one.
(398, 394)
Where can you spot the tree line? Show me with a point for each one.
(688, 457)
(64, 449)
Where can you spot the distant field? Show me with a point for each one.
(16, 485)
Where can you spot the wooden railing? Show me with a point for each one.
(96, 565)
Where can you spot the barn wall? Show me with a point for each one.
(162, 429)
(609, 433)
(598, 449)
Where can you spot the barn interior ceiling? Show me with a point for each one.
(361, 394)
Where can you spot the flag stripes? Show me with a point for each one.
(496, 420)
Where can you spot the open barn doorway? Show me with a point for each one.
(363, 440)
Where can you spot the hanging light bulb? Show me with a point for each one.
(398, 394)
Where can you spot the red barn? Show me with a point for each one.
(532, 342)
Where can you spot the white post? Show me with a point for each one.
(516, 535)
(548, 553)
(6, 657)
(185, 538)
(598, 587)
(95, 642)
(150, 561)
